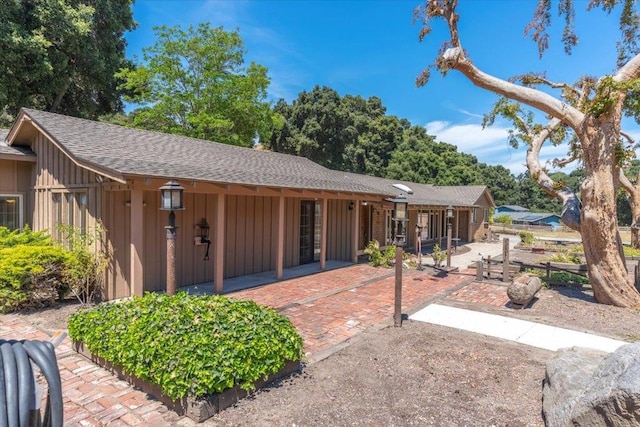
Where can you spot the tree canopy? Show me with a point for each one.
(355, 134)
(61, 55)
(194, 82)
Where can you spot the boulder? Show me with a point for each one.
(523, 288)
(585, 387)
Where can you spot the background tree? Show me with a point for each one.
(194, 82)
(586, 115)
(61, 55)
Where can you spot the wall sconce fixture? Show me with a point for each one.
(202, 229)
(351, 205)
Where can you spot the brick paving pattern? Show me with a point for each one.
(327, 308)
(481, 293)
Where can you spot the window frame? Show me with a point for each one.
(20, 198)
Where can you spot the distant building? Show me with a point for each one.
(522, 216)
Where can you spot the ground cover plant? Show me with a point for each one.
(189, 345)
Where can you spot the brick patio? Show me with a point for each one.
(328, 309)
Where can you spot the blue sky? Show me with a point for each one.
(371, 48)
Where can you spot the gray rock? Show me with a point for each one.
(523, 288)
(586, 387)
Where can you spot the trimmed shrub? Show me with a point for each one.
(31, 275)
(34, 272)
(189, 345)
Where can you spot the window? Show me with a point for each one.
(486, 215)
(69, 209)
(388, 229)
(474, 215)
(11, 211)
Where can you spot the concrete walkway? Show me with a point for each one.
(521, 331)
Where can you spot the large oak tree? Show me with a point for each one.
(61, 55)
(586, 114)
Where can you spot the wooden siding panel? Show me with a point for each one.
(241, 235)
(259, 250)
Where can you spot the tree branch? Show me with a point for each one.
(455, 59)
(571, 205)
(626, 184)
(629, 71)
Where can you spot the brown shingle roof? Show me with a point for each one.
(127, 151)
(425, 194)
(15, 151)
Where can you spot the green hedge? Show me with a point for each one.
(32, 270)
(189, 345)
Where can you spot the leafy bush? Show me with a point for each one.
(189, 345)
(9, 238)
(526, 237)
(31, 275)
(566, 257)
(438, 255)
(84, 267)
(377, 258)
(35, 272)
(567, 277)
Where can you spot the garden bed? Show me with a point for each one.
(198, 409)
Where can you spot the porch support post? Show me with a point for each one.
(136, 274)
(355, 227)
(457, 214)
(323, 235)
(218, 269)
(280, 241)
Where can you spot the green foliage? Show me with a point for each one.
(194, 82)
(85, 266)
(9, 238)
(61, 55)
(438, 255)
(631, 251)
(567, 257)
(377, 258)
(31, 274)
(566, 277)
(526, 237)
(504, 220)
(189, 345)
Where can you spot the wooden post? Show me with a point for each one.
(505, 259)
(171, 254)
(479, 272)
(280, 241)
(136, 272)
(397, 312)
(448, 242)
(355, 231)
(548, 270)
(323, 235)
(218, 269)
(489, 267)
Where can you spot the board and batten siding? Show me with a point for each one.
(55, 172)
(339, 230)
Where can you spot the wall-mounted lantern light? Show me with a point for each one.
(449, 211)
(203, 238)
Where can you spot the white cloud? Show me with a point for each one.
(490, 145)
(470, 138)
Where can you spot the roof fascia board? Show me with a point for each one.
(19, 157)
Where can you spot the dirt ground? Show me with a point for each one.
(420, 374)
